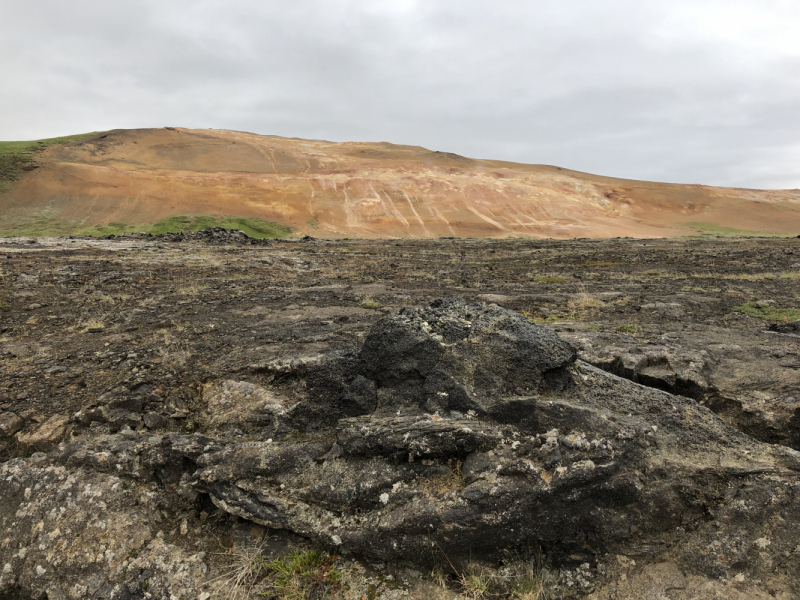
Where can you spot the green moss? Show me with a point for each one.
(768, 312)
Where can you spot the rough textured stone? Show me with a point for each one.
(10, 423)
(48, 434)
(457, 430)
(243, 404)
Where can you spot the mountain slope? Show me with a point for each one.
(363, 190)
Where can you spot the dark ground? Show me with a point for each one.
(79, 317)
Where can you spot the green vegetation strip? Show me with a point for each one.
(767, 312)
(15, 157)
(47, 224)
(713, 230)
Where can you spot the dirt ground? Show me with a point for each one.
(80, 317)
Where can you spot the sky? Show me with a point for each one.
(688, 91)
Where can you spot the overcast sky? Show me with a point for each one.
(694, 91)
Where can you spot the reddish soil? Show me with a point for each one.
(369, 190)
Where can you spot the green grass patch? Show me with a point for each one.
(768, 312)
(310, 574)
(15, 157)
(47, 223)
(712, 229)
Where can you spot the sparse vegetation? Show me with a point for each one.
(584, 302)
(711, 229)
(475, 581)
(768, 311)
(629, 328)
(444, 483)
(49, 223)
(371, 304)
(16, 157)
(310, 575)
(300, 575)
(245, 564)
(531, 580)
(549, 279)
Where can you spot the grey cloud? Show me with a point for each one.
(692, 91)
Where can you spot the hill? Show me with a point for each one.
(163, 179)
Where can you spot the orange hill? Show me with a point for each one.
(358, 189)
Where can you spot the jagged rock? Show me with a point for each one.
(455, 356)
(120, 406)
(49, 433)
(681, 372)
(243, 404)
(10, 423)
(792, 327)
(713, 373)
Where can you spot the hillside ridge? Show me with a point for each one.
(360, 189)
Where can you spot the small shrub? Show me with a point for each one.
(475, 581)
(371, 304)
(629, 328)
(530, 580)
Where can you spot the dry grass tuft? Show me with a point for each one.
(475, 581)
(584, 302)
(438, 485)
(245, 564)
(530, 580)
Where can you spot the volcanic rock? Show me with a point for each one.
(458, 432)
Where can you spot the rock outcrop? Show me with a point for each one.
(458, 432)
